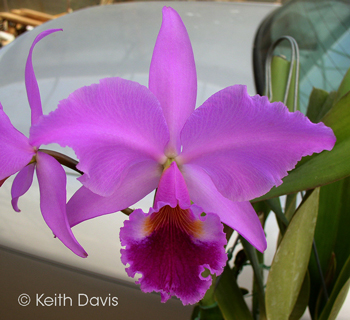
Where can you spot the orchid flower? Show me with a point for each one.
(130, 140)
(20, 154)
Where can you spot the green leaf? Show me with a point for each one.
(344, 87)
(303, 299)
(317, 99)
(333, 221)
(290, 206)
(338, 118)
(230, 298)
(338, 294)
(207, 313)
(275, 205)
(291, 260)
(342, 243)
(320, 102)
(279, 77)
(317, 292)
(208, 308)
(339, 301)
(258, 275)
(326, 167)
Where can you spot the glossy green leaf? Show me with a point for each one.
(289, 213)
(275, 205)
(317, 289)
(258, 275)
(339, 118)
(207, 313)
(208, 308)
(303, 299)
(258, 300)
(339, 301)
(326, 167)
(344, 87)
(333, 221)
(338, 294)
(230, 298)
(320, 102)
(291, 201)
(291, 260)
(342, 244)
(279, 76)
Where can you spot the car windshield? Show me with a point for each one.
(322, 31)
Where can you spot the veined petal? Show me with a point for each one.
(85, 204)
(247, 144)
(52, 185)
(16, 152)
(172, 76)
(240, 216)
(30, 80)
(111, 126)
(21, 184)
(172, 256)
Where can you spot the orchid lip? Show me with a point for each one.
(166, 237)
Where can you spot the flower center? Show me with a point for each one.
(168, 217)
(168, 162)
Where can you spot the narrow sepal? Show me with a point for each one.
(32, 87)
(172, 76)
(21, 184)
(52, 186)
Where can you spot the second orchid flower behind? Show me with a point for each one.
(20, 154)
(131, 140)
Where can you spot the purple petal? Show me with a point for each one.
(172, 76)
(85, 205)
(52, 185)
(16, 152)
(238, 215)
(30, 80)
(247, 144)
(111, 126)
(171, 248)
(21, 184)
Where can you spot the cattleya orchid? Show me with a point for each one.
(20, 154)
(206, 163)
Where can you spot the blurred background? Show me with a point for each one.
(56, 7)
(19, 16)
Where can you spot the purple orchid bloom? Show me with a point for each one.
(131, 140)
(20, 154)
